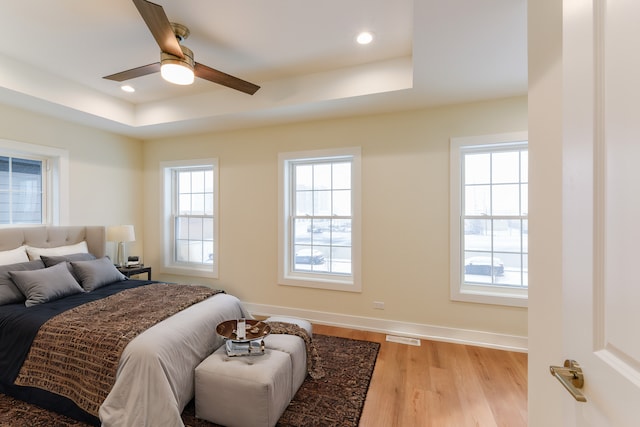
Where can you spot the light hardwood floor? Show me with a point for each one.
(442, 385)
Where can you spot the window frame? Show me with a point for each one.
(169, 204)
(459, 290)
(286, 274)
(55, 176)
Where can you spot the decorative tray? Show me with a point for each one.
(256, 329)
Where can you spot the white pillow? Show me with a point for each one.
(34, 253)
(14, 256)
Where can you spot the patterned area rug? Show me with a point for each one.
(335, 400)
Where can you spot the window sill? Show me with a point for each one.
(334, 285)
(189, 271)
(506, 297)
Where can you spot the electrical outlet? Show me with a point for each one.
(378, 305)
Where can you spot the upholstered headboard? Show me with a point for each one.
(51, 237)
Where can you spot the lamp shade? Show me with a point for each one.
(121, 233)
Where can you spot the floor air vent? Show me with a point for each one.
(403, 340)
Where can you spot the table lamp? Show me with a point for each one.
(121, 234)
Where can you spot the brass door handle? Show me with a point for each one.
(571, 377)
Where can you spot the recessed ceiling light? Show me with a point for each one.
(364, 37)
(127, 88)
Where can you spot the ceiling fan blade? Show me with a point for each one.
(159, 25)
(134, 72)
(224, 79)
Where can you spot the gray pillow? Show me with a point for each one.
(50, 261)
(48, 284)
(9, 293)
(96, 273)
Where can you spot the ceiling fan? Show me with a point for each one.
(174, 57)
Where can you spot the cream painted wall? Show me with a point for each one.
(105, 170)
(115, 179)
(405, 211)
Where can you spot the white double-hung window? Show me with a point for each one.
(489, 224)
(319, 237)
(33, 184)
(190, 217)
(21, 190)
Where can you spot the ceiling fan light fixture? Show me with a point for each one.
(177, 70)
(176, 61)
(178, 74)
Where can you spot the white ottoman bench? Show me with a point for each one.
(252, 391)
(243, 391)
(292, 345)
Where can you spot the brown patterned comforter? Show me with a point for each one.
(76, 353)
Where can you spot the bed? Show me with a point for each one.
(153, 374)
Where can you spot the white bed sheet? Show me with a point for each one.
(155, 378)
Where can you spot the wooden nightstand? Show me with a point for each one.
(132, 271)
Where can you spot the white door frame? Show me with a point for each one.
(545, 216)
(583, 90)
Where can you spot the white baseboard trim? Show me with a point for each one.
(412, 330)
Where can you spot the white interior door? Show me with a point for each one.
(601, 212)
